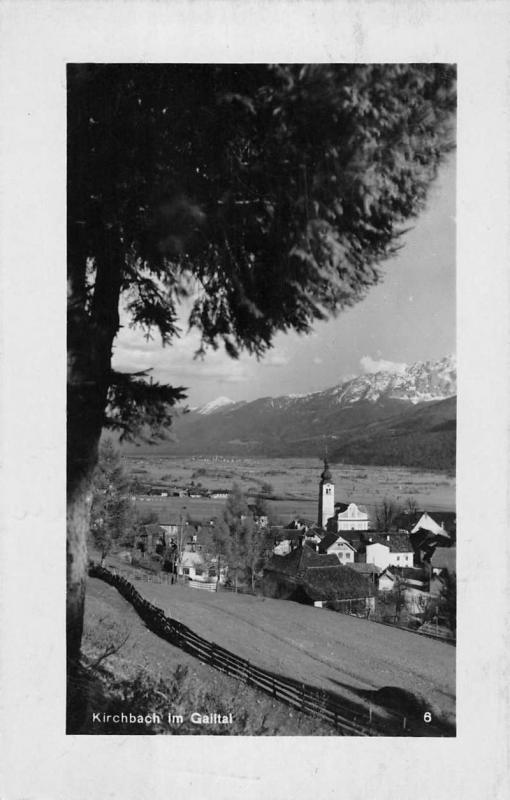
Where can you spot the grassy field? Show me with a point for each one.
(321, 647)
(152, 675)
(294, 482)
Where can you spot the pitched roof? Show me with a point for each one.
(444, 558)
(446, 518)
(396, 542)
(355, 538)
(334, 583)
(331, 538)
(310, 558)
(298, 559)
(327, 541)
(428, 524)
(365, 569)
(414, 573)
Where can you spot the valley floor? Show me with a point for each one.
(294, 483)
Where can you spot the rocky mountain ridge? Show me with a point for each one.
(421, 382)
(405, 418)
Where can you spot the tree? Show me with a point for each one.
(261, 506)
(256, 543)
(113, 517)
(236, 516)
(216, 539)
(268, 195)
(385, 514)
(248, 544)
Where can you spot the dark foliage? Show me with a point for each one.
(269, 193)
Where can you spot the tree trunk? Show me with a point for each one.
(90, 335)
(85, 414)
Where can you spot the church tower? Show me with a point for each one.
(326, 496)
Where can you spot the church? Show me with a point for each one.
(338, 517)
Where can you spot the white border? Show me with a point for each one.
(37, 38)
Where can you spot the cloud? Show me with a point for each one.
(370, 365)
(276, 359)
(318, 360)
(176, 364)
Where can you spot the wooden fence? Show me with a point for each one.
(205, 586)
(349, 720)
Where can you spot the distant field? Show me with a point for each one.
(294, 482)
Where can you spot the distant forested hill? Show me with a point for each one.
(389, 432)
(424, 437)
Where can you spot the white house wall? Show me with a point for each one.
(378, 554)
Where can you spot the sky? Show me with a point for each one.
(409, 316)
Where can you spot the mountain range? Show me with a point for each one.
(402, 418)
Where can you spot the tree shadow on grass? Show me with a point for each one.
(400, 710)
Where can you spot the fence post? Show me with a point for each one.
(370, 713)
(404, 723)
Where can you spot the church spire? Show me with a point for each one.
(326, 495)
(326, 473)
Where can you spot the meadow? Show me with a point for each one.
(294, 484)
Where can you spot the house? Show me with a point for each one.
(415, 578)
(348, 517)
(370, 572)
(386, 581)
(152, 539)
(260, 520)
(219, 494)
(444, 558)
(365, 569)
(171, 529)
(192, 565)
(427, 523)
(332, 543)
(392, 549)
(308, 577)
(286, 539)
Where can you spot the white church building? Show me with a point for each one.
(338, 517)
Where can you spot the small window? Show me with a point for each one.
(398, 558)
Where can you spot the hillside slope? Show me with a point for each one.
(320, 647)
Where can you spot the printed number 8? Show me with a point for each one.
(427, 716)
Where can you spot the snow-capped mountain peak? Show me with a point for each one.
(216, 405)
(417, 383)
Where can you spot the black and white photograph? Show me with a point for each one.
(261, 416)
(254, 418)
